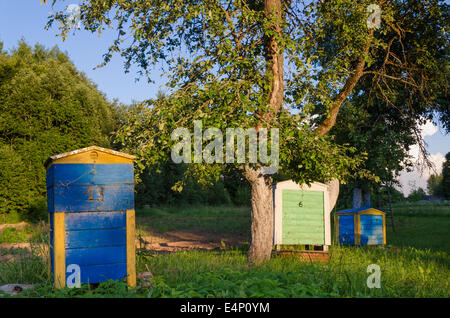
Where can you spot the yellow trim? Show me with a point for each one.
(49, 254)
(59, 261)
(131, 248)
(357, 230)
(384, 229)
(336, 227)
(91, 157)
(372, 211)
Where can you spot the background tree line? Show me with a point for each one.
(47, 107)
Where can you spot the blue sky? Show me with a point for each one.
(27, 18)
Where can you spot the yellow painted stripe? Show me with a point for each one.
(357, 231)
(92, 157)
(372, 212)
(49, 254)
(59, 249)
(384, 229)
(336, 226)
(131, 248)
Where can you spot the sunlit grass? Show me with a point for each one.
(415, 263)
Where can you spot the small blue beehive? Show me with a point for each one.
(361, 226)
(90, 196)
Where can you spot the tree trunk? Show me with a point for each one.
(262, 198)
(357, 198)
(262, 216)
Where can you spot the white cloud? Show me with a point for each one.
(419, 176)
(428, 129)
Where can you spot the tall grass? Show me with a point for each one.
(409, 273)
(422, 208)
(419, 266)
(29, 264)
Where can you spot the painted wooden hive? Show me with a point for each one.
(302, 213)
(361, 226)
(90, 196)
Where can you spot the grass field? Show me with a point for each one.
(201, 252)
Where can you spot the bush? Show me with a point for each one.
(16, 189)
(47, 107)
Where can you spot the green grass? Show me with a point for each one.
(410, 273)
(422, 208)
(418, 266)
(28, 233)
(213, 219)
(422, 232)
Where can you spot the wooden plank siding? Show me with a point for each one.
(96, 241)
(90, 196)
(303, 224)
(346, 225)
(369, 227)
(90, 187)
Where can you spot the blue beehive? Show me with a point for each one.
(361, 226)
(90, 196)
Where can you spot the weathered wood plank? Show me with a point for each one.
(103, 272)
(95, 220)
(82, 174)
(95, 238)
(79, 198)
(131, 248)
(303, 217)
(59, 250)
(96, 255)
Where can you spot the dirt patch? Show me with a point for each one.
(17, 251)
(186, 240)
(20, 225)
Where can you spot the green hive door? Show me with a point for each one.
(303, 224)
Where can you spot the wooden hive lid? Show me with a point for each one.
(361, 210)
(91, 154)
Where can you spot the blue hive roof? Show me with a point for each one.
(363, 208)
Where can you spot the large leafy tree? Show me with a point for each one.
(47, 107)
(445, 183)
(434, 183)
(272, 63)
(372, 126)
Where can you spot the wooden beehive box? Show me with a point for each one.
(361, 226)
(90, 196)
(302, 213)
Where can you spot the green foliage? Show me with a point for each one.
(380, 131)
(416, 195)
(434, 185)
(47, 107)
(156, 189)
(17, 188)
(222, 74)
(379, 197)
(445, 185)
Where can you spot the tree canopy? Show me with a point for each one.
(47, 107)
(284, 64)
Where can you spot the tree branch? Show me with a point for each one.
(329, 122)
